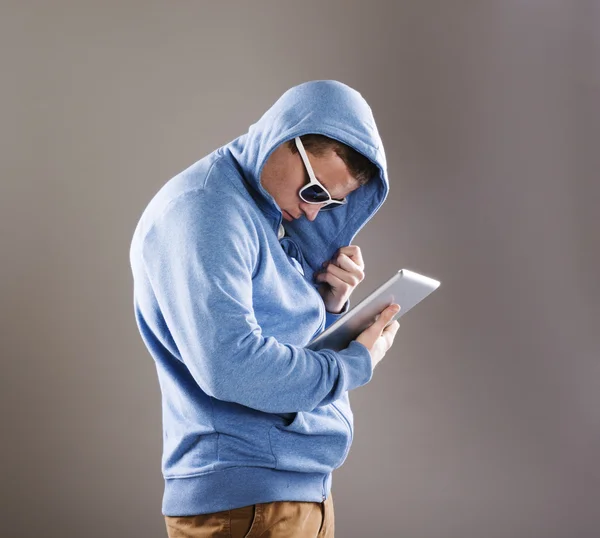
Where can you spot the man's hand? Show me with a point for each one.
(340, 276)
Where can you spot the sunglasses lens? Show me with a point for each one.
(314, 193)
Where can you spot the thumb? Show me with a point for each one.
(383, 319)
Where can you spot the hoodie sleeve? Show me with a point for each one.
(331, 318)
(200, 258)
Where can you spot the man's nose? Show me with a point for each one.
(310, 210)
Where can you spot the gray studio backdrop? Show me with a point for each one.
(483, 419)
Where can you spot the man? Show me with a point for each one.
(226, 296)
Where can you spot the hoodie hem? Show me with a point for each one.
(235, 487)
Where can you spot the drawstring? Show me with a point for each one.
(280, 232)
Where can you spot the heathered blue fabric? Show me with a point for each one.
(249, 414)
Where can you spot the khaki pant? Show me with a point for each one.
(280, 519)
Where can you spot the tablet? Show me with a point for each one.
(404, 287)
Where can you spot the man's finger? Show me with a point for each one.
(385, 317)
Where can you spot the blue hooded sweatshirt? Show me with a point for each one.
(225, 301)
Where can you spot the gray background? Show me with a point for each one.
(483, 419)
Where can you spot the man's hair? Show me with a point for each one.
(360, 168)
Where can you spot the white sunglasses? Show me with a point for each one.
(313, 192)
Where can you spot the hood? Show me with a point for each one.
(332, 109)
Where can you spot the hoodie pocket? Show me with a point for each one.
(189, 454)
(342, 405)
(243, 436)
(317, 441)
